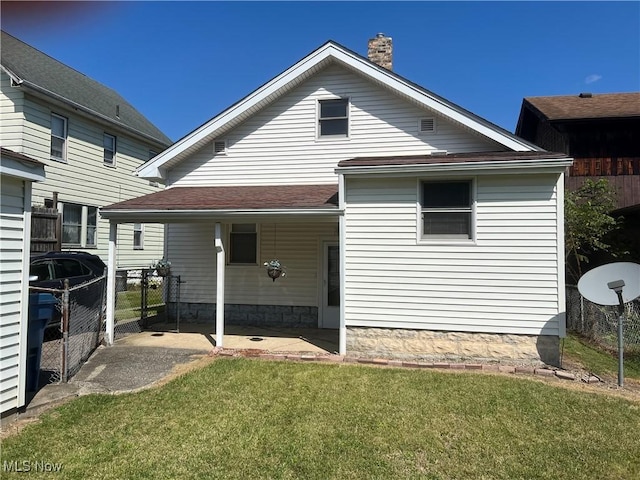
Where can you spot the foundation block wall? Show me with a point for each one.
(258, 315)
(427, 345)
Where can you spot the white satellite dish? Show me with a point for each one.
(594, 285)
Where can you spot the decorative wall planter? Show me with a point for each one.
(163, 267)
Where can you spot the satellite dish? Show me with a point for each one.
(594, 285)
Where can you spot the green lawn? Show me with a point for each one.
(598, 361)
(246, 419)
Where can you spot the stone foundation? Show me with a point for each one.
(254, 315)
(428, 345)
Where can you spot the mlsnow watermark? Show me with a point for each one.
(31, 466)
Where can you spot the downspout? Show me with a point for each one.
(220, 258)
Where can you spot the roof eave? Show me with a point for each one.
(465, 167)
(190, 215)
(38, 90)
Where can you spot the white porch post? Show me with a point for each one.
(342, 342)
(220, 258)
(111, 282)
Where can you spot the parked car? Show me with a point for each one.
(51, 269)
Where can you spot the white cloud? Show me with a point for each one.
(592, 78)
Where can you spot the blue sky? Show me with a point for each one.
(181, 63)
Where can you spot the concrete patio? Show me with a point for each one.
(200, 336)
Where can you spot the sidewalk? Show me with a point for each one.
(141, 360)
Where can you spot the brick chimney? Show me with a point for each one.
(381, 51)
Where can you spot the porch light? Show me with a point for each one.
(274, 269)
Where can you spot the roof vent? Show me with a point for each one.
(427, 125)
(219, 147)
(585, 95)
(438, 153)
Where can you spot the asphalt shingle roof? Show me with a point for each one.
(50, 76)
(235, 198)
(574, 107)
(449, 158)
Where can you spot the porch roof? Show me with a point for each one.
(230, 200)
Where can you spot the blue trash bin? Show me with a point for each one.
(42, 307)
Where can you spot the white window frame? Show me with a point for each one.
(140, 244)
(112, 161)
(65, 123)
(471, 210)
(230, 243)
(319, 119)
(84, 225)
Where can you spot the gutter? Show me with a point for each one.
(30, 86)
(490, 166)
(190, 215)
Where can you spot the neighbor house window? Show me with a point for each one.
(72, 224)
(243, 243)
(58, 137)
(92, 226)
(109, 143)
(138, 236)
(333, 118)
(79, 225)
(447, 209)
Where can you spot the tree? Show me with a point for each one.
(587, 223)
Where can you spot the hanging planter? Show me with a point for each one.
(163, 267)
(274, 269)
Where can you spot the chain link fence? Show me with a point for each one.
(600, 323)
(74, 331)
(141, 300)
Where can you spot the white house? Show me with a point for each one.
(91, 140)
(414, 227)
(17, 174)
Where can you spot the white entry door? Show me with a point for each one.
(330, 316)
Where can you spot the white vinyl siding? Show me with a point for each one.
(11, 107)
(12, 309)
(296, 245)
(279, 144)
(82, 179)
(507, 282)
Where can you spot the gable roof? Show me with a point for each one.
(32, 69)
(587, 106)
(18, 165)
(329, 53)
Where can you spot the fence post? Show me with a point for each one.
(143, 297)
(65, 332)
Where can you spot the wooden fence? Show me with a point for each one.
(46, 230)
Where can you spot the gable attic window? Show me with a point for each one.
(220, 147)
(333, 118)
(109, 143)
(447, 210)
(427, 125)
(58, 137)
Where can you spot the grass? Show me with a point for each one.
(240, 418)
(597, 360)
(128, 304)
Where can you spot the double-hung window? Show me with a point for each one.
(79, 225)
(243, 243)
(58, 137)
(109, 147)
(333, 118)
(138, 236)
(447, 210)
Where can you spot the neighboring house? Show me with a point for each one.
(91, 140)
(600, 132)
(414, 227)
(17, 174)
